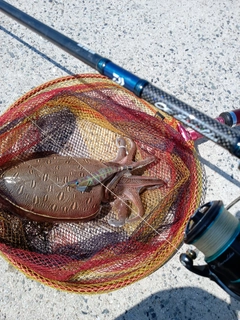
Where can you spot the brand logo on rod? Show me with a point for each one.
(116, 78)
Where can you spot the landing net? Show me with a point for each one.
(82, 116)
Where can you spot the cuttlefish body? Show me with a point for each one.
(62, 188)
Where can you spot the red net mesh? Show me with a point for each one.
(82, 116)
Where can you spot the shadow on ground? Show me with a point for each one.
(188, 303)
(44, 56)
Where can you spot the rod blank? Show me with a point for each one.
(198, 121)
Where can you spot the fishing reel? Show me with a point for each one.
(214, 231)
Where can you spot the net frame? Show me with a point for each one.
(119, 265)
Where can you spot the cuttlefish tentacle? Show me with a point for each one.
(121, 209)
(122, 150)
(123, 157)
(130, 188)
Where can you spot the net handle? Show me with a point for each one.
(198, 121)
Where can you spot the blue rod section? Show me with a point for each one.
(121, 76)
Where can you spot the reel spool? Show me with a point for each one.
(216, 233)
(82, 115)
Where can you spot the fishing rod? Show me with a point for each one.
(190, 117)
(230, 118)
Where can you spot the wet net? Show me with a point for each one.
(82, 116)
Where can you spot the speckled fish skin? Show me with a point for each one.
(38, 189)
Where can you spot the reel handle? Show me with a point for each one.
(216, 233)
(186, 260)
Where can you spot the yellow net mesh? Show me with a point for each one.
(82, 116)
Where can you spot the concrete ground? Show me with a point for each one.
(189, 49)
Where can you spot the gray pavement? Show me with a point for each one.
(188, 48)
